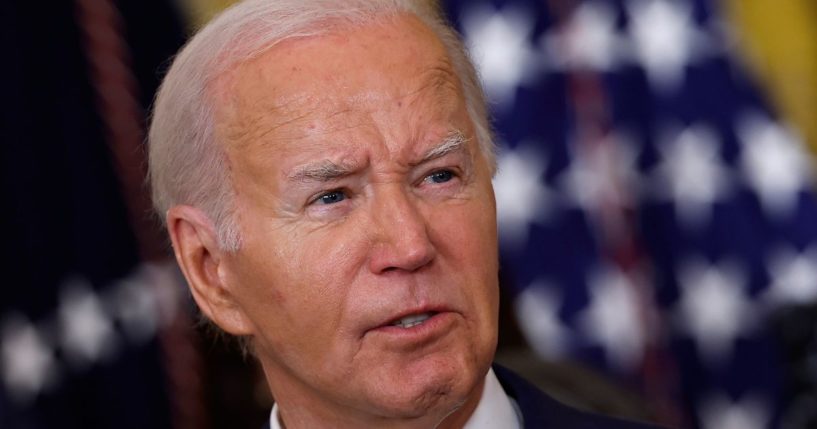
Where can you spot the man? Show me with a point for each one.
(324, 169)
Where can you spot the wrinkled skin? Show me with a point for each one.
(362, 197)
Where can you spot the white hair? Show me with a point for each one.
(186, 163)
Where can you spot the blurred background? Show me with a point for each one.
(656, 195)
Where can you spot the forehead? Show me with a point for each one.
(315, 85)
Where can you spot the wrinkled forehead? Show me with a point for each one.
(395, 59)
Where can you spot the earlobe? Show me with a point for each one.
(203, 264)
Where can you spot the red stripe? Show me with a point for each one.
(619, 236)
(119, 109)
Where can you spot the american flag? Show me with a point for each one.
(86, 316)
(657, 217)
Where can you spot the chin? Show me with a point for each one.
(436, 385)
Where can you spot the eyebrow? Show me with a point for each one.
(326, 171)
(321, 171)
(454, 141)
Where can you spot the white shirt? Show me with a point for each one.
(495, 409)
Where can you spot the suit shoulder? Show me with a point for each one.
(540, 411)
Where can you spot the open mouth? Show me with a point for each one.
(413, 320)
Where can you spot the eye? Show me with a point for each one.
(331, 197)
(441, 176)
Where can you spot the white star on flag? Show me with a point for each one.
(774, 163)
(713, 308)
(602, 174)
(134, 302)
(692, 174)
(169, 288)
(537, 310)
(720, 412)
(664, 39)
(28, 362)
(87, 332)
(521, 195)
(589, 41)
(499, 44)
(793, 277)
(612, 319)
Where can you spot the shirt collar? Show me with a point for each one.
(495, 409)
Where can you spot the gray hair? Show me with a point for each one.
(186, 163)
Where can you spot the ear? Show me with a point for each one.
(204, 265)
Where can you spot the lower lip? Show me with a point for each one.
(432, 328)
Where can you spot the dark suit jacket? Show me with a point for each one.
(540, 411)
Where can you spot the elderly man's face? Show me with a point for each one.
(368, 268)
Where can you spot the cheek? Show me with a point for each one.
(295, 290)
(466, 236)
(469, 228)
(315, 271)
(467, 233)
(327, 259)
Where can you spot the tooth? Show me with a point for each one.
(414, 320)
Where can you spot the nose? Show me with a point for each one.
(400, 234)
